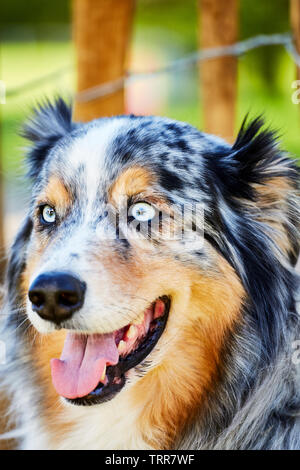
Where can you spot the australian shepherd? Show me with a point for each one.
(150, 295)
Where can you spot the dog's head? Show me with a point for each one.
(144, 242)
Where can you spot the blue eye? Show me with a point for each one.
(48, 214)
(142, 211)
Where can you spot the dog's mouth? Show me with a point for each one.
(92, 368)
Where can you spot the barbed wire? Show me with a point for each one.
(37, 82)
(237, 49)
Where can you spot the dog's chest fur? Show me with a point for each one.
(114, 425)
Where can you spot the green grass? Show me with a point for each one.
(21, 62)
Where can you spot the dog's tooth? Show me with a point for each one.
(103, 374)
(132, 332)
(121, 346)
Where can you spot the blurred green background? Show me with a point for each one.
(35, 40)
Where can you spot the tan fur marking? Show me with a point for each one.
(273, 205)
(56, 193)
(171, 393)
(132, 181)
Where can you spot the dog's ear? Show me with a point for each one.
(260, 181)
(49, 122)
(260, 164)
(269, 179)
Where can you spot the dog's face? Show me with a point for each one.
(133, 251)
(113, 249)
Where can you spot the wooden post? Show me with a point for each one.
(102, 31)
(295, 25)
(219, 27)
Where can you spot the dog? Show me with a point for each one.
(150, 294)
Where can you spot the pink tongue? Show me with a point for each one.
(82, 363)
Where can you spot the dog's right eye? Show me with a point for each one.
(48, 214)
(142, 211)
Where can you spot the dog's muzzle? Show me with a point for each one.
(55, 296)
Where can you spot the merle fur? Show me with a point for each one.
(194, 166)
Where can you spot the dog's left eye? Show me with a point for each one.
(48, 214)
(142, 211)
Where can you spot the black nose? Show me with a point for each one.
(56, 296)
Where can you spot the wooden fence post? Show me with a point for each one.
(218, 77)
(102, 31)
(295, 25)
